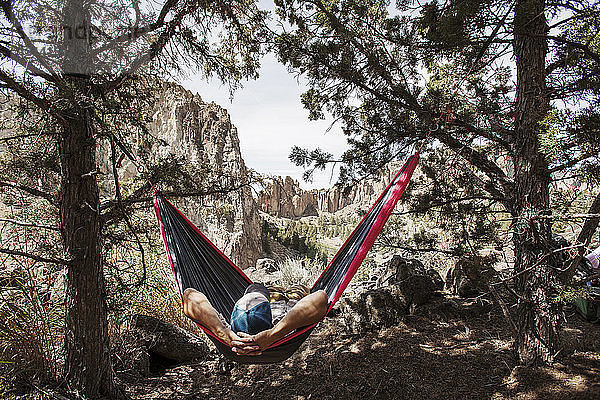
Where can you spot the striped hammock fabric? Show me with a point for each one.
(197, 263)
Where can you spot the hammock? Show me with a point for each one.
(198, 264)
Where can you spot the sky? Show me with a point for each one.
(270, 119)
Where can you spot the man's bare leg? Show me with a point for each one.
(307, 311)
(197, 307)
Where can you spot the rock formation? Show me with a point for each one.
(283, 197)
(371, 310)
(203, 135)
(150, 344)
(471, 275)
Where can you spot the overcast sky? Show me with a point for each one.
(270, 120)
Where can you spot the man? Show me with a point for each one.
(250, 330)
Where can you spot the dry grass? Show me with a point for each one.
(31, 328)
(299, 272)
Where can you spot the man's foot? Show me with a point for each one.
(226, 335)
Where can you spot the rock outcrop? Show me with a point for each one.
(202, 134)
(151, 344)
(394, 289)
(283, 197)
(406, 272)
(471, 276)
(371, 310)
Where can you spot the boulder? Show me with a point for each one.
(440, 309)
(416, 282)
(471, 275)
(404, 268)
(371, 310)
(436, 278)
(417, 289)
(152, 345)
(399, 268)
(169, 341)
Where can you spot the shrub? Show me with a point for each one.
(31, 328)
(299, 272)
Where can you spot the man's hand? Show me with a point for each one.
(244, 344)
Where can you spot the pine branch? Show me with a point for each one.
(29, 190)
(481, 132)
(29, 224)
(34, 257)
(505, 310)
(443, 203)
(129, 36)
(581, 46)
(113, 158)
(6, 52)
(27, 135)
(423, 250)
(26, 94)
(481, 162)
(572, 162)
(154, 49)
(114, 213)
(7, 9)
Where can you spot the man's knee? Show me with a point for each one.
(321, 301)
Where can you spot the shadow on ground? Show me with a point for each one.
(466, 357)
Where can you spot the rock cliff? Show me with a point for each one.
(203, 135)
(283, 197)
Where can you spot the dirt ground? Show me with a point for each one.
(427, 356)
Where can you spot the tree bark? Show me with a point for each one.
(88, 370)
(537, 317)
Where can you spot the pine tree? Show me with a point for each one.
(78, 72)
(481, 79)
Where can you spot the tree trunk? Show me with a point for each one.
(88, 368)
(537, 318)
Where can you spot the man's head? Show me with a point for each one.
(252, 312)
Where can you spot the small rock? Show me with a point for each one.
(267, 265)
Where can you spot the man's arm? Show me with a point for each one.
(309, 310)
